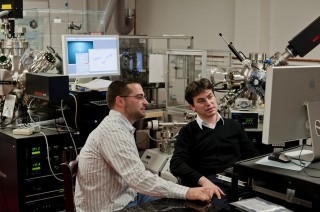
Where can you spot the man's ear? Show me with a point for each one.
(192, 107)
(119, 101)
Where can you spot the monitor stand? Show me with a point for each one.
(313, 108)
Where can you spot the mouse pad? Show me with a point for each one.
(291, 166)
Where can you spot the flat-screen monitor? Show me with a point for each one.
(292, 106)
(90, 56)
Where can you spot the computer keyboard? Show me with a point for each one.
(99, 102)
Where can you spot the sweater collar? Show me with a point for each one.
(203, 123)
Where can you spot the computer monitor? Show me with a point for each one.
(90, 56)
(292, 106)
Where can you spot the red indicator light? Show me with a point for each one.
(316, 38)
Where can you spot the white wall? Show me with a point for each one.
(252, 25)
(203, 19)
(31, 4)
(288, 18)
(56, 4)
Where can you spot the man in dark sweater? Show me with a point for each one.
(209, 144)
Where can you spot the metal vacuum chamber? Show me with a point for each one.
(185, 66)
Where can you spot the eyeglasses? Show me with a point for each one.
(138, 97)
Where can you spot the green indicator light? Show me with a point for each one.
(35, 153)
(36, 168)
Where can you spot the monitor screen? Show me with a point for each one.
(139, 59)
(89, 56)
(291, 93)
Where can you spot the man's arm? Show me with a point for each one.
(181, 158)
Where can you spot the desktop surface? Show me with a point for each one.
(174, 205)
(305, 184)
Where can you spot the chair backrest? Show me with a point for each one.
(69, 171)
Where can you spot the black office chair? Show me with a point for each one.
(69, 171)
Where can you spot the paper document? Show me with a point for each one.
(296, 154)
(296, 165)
(96, 84)
(259, 205)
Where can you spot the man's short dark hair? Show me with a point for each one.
(196, 87)
(118, 88)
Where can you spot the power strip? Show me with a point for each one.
(23, 131)
(26, 129)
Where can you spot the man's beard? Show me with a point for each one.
(138, 115)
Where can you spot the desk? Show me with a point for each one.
(174, 205)
(294, 188)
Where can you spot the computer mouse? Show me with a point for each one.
(279, 157)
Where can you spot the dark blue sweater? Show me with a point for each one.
(204, 152)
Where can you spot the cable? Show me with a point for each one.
(303, 165)
(76, 110)
(28, 110)
(48, 157)
(153, 138)
(65, 121)
(218, 83)
(305, 168)
(13, 120)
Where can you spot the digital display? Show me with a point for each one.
(246, 119)
(35, 150)
(15, 7)
(36, 166)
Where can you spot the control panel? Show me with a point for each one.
(248, 119)
(154, 160)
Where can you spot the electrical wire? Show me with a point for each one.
(303, 165)
(28, 110)
(153, 138)
(218, 83)
(48, 157)
(46, 140)
(13, 120)
(65, 121)
(305, 168)
(76, 110)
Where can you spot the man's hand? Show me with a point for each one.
(199, 193)
(205, 183)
